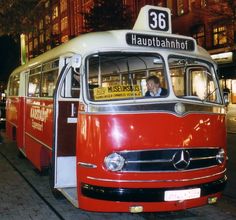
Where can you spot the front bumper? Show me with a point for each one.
(146, 194)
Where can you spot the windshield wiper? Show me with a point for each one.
(205, 99)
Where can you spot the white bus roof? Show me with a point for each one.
(112, 41)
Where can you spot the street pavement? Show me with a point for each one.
(25, 194)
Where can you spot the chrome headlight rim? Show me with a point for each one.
(220, 157)
(114, 162)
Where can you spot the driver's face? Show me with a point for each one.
(151, 86)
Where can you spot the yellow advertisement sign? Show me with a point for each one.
(117, 92)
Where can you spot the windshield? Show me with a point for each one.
(123, 76)
(194, 79)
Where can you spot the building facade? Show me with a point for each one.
(211, 22)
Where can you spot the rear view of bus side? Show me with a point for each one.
(81, 110)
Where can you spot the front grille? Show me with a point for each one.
(169, 159)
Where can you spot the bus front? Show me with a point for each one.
(144, 152)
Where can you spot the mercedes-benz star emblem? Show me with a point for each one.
(181, 160)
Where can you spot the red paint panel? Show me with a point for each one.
(38, 131)
(14, 119)
(39, 120)
(100, 135)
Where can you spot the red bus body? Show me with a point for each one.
(81, 110)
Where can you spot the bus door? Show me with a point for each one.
(65, 118)
(24, 77)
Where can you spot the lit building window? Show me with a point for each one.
(63, 4)
(30, 46)
(35, 43)
(200, 36)
(55, 29)
(47, 3)
(41, 24)
(48, 47)
(203, 3)
(55, 12)
(47, 34)
(30, 35)
(41, 39)
(219, 35)
(64, 23)
(64, 38)
(180, 7)
(47, 19)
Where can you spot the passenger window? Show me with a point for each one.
(34, 85)
(49, 80)
(14, 85)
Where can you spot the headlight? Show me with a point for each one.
(220, 157)
(114, 162)
(180, 108)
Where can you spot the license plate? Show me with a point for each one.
(176, 195)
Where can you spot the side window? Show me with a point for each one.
(14, 84)
(34, 85)
(202, 84)
(194, 79)
(71, 85)
(34, 82)
(49, 80)
(75, 84)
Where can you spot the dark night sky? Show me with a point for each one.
(9, 56)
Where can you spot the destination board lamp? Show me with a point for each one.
(153, 18)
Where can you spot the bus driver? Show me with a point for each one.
(153, 87)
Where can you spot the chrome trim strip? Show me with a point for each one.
(164, 107)
(87, 165)
(159, 149)
(166, 171)
(203, 158)
(167, 161)
(149, 161)
(45, 145)
(155, 181)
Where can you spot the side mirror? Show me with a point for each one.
(226, 98)
(76, 62)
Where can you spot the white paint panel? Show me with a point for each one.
(71, 120)
(65, 172)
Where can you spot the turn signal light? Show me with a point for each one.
(136, 209)
(212, 200)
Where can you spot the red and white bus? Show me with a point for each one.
(80, 109)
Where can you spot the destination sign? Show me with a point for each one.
(163, 42)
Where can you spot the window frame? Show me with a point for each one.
(122, 53)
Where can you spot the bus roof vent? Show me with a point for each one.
(153, 18)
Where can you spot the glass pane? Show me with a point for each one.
(49, 80)
(34, 85)
(122, 76)
(193, 79)
(14, 85)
